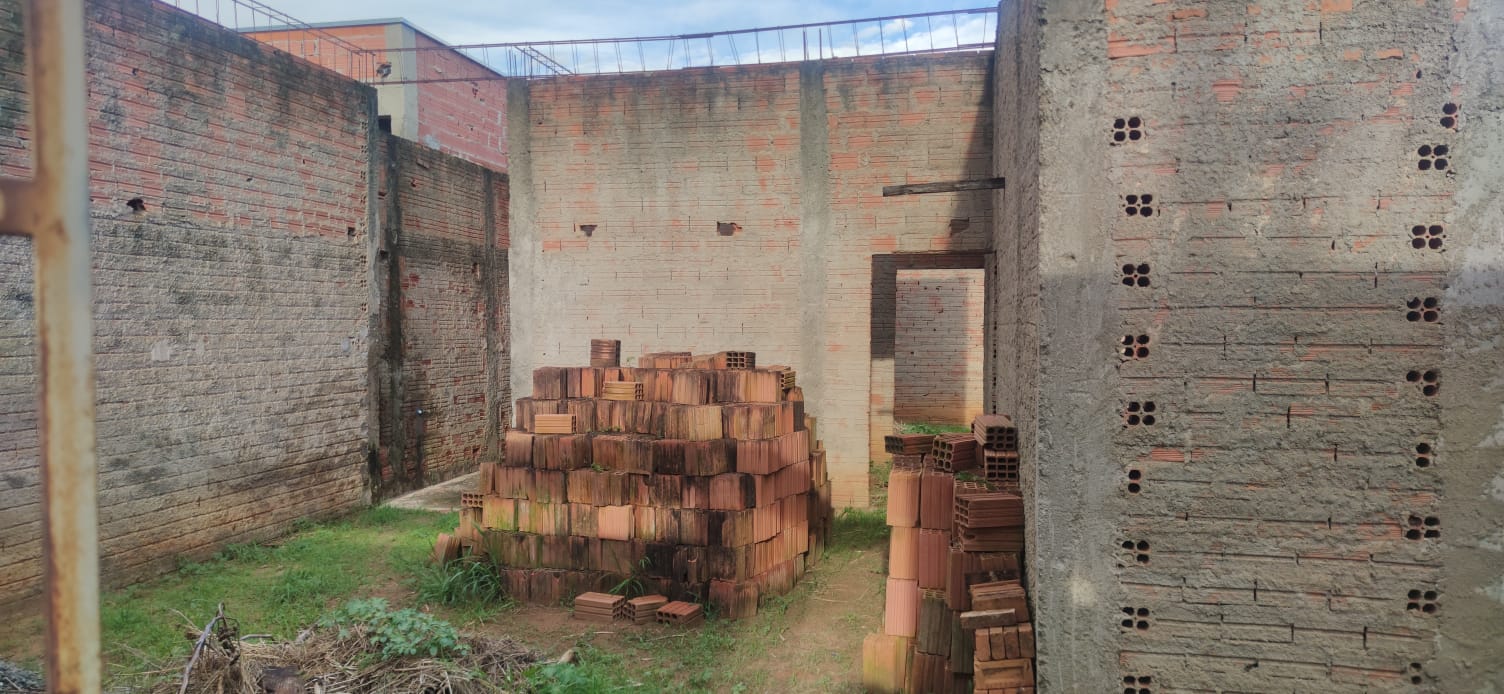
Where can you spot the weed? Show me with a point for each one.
(931, 428)
(596, 672)
(859, 529)
(460, 583)
(398, 632)
(636, 584)
(243, 552)
(297, 584)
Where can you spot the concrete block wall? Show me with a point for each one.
(937, 361)
(1314, 505)
(443, 322)
(231, 329)
(740, 208)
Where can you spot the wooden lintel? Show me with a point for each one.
(943, 187)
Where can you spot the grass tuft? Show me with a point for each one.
(462, 583)
(857, 528)
(932, 428)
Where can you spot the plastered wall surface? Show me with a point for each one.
(739, 208)
(1306, 261)
(231, 330)
(938, 350)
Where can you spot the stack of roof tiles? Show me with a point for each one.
(956, 617)
(700, 478)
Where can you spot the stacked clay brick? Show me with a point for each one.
(953, 567)
(697, 476)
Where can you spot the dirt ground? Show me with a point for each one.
(807, 641)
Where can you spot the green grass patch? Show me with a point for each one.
(932, 429)
(858, 529)
(275, 589)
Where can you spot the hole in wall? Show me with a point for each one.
(1423, 454)
(350, 232)
(136, 204)
(1423, 309)
(1449, 116)
(1422, 601)
(727, 228)
(1427, 236)
(1135, 346)
(1136, 275)
(1126, 129)
(1138, 205)
(1432, 157)
(1139, 413)
(588, 229)
(1137, 685)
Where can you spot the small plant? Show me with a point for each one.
(933, 429)
(462, 582)
(405, 632)
(859, 529)
(634, 585)
(299, 584)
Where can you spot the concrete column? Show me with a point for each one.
(523, 253)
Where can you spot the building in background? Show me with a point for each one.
(440, 98)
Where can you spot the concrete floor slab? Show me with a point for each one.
(443, 497)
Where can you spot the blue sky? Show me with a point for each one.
(491, 21)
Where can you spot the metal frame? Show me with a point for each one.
(52, 208)
(256, 17)
(764, 45)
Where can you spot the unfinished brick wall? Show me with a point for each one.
(458, 107)
(740, 208)
(443, 322)
(231, 331)
(1257, 232)
(465, 118)
(937, 359)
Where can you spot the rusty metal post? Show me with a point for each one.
(53, 209)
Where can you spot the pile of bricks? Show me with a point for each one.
(698, 476)
(956, 617)
(605, 607)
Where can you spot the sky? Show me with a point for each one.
(496, 21)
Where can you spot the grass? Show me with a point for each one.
(281, 588)
(270, 589)
(471, 588)
(931, 428)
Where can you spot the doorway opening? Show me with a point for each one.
(928, 343)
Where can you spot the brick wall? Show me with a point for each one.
(458, 108)
(1289, 520)
(795, 158)
(231, 333)
(444, 318)
(465, 118)
(938, 353)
